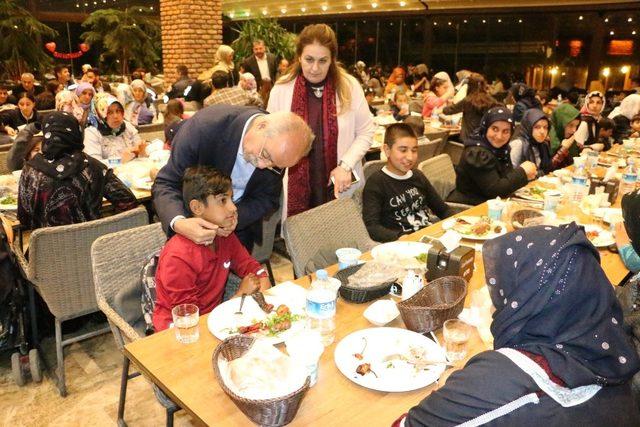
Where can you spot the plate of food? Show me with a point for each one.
(8, 202)
(600, 237)
(534, 193)
(390, 359)
(479, 227)
(275, 323)
(403, 254)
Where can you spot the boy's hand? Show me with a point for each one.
(196, 229)
(249, 284)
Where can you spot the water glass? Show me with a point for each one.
(185, 323)
(551, 200)
(496, 206)
(456, 336)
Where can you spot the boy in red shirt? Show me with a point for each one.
(191, 273)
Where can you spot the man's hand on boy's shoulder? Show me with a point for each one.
(198, 230)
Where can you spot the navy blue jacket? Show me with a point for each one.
(212, 137)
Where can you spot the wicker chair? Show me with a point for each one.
(441, 174)
(59, 267)
(4, 168)
(428, 149)
(328, 227)
(454, 150)
(110, 274)
(372, 167)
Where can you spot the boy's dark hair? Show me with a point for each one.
(219, 79)
(416, 123)
(58, 69)
(52, 86)
(606, 123)
(182, 70)
(202, 181)
(4, 87)
(397, 131)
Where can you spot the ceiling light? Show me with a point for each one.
(499, 20)
(283, 10)
(606, 19)
(403, 3)
(349, 6)
(580, 18)
(325, 7)
(303, 9)
(553, 71)
(449, 23)
(606, 72)
(484, 21)
(435, 23)
(633, 32)
(264, 12)
(465, 21)
(520, 21)
(374, 5)
(624, 69)
(611, 32)
(630, 20)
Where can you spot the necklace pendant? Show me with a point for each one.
(317, 91)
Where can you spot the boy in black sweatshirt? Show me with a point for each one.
(399, 199)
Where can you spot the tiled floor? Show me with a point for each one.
(93, 370)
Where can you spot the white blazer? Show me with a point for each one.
(355, 129)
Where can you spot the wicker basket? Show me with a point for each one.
(440, 300)
(266, 412)
(360, 295)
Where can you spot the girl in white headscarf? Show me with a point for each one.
(588, 130)
(139, 110)
(622, 115)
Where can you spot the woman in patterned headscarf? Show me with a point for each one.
(138, 109)
(561, 354)
(110, 135)
(63, 185)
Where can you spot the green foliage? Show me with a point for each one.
(279, 41)
(129, 37)
(21, 41)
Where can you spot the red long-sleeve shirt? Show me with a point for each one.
(195, 274)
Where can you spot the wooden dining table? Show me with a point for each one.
(185, 372)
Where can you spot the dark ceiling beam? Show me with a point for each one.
(60, 16)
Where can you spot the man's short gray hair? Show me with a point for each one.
(26, 75)
(286, 122)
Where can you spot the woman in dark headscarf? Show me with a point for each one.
(63, 185)
(530, 141)
(561, 355)
(525, 98)
(628, 232)
(485, 169)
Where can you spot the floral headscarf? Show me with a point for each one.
(68, 102)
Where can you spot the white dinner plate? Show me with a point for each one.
(395, 376)
(488, 236)
(603, 239)
(8, 206)
(223, 319)
(400, 253)
(526, 194)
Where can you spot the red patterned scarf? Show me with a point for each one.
(299, 191)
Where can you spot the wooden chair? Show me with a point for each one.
(324, 229)
(59, 267)
(117, 260)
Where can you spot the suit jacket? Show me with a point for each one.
(250, 65)
(212, 137)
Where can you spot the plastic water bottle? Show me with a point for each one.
(321, 307)
(629, 178)
(435, 118)
(580, 184)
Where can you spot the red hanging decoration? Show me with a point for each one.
(51, 47)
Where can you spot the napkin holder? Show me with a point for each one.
(610, 187)
(458, 262)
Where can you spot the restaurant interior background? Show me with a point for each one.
(572, 41)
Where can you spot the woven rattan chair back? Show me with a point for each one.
(117, 260)
(60, 263)
(328, 227)
(440, 173)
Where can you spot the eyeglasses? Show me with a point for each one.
(265, 157)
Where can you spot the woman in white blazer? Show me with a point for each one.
(333, 105)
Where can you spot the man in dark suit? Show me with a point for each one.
(261, 64)
(244, 142)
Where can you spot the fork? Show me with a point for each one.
(241, 304)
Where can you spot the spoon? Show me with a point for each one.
(241, 303)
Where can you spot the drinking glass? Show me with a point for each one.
(456, 336)
(185, 323)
